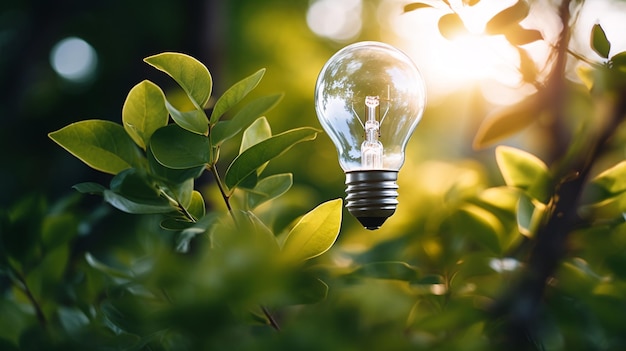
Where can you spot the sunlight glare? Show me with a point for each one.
(339, 20)
(474, 59)
(490, 62)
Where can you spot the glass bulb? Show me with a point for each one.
(369, 98)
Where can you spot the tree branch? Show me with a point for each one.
(520, 308)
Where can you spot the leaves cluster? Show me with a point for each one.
(547, 242)
(155, 157)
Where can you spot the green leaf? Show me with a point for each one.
(20, 230)
(524, 171)
(102, 145)
(506, 122)
(188, 72)
(175, 224)
(144, 112)
(258, 131)
(172, 176)
(529, 215)
(576, 278)
(131, 194)
(72, 319)
(257, 155)
(393, 270)
(250, 181)
(177, 148)
(243, 118)
(136, 186)
(194, 121)
(15, 320)
(249, 233)
(269, 188)
(182, 192)
(415, 6)
(315, 233)
(197, 207)
(619, 60)
(200, 227)
(307, 289)
(611, 182)
(508, 17)
(481, 225)
(235, 94)
(47, 275)
(599, 42)
(500, 200)
(89, 188)
(451, 26)
(58, 229)
(129, 206)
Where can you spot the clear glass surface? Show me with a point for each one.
(369, 95)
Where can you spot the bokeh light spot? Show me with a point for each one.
(74, 59)
(339, 20)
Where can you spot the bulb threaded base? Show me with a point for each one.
(371, 196)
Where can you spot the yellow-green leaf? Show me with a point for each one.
(177, 148)
(102, 145)
(529, 215)
(197, 207)
(480, 225)
(611, 182)
(144, 112)
(257, 155)
(315, 233)
(258, 131)
(194, 121)
(525, 171)
(235, 94)
(188, 72)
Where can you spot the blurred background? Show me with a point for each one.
(65, 61)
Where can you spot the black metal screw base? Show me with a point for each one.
(371, 196)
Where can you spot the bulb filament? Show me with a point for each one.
(372, 148)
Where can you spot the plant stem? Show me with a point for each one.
(519, 309)
(22, 286)
(180, 206)
(226, 198)
(270, 318)
(220, 185)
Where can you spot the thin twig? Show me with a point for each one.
(220, 186)
(226, 198)
(22, 286)
(270, 318)
(521, 306)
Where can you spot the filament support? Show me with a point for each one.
(371, 196)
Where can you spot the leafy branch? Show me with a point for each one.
(548, 210)
(154, 164)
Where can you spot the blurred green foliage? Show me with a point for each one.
(490, 249)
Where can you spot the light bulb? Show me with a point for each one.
(369, 97)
